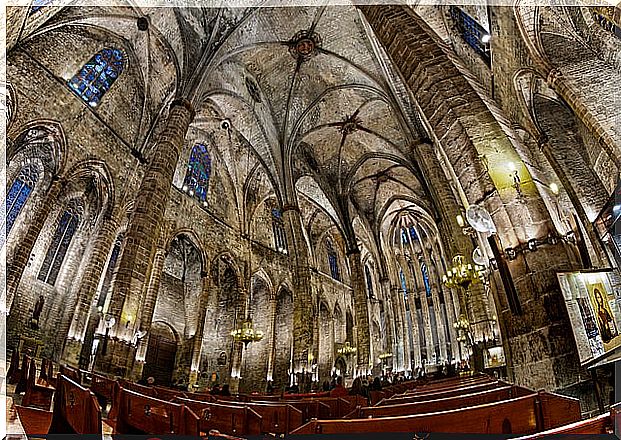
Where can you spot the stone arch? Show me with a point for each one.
(257, 355)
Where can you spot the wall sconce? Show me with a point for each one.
(129, 320)
(554, 188)
(532, 244)
(515, 176)
(460, 220)
(493, 263)
(511, 253)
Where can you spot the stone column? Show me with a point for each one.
(87, 290)
(303, 304)
(144, 227)
(361, 309)
(17, 262)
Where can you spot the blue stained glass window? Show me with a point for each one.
(97, 75)
(280, 239)
(404, 236)
(196, 180)
(67, 226)
(39, 4)
(413, 233)
(606, 23)
(369, 278)
(18, 194)
(472, 32)
(333, 261)
(425, 272)
(404, 287)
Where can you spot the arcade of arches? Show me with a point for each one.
(172, 172)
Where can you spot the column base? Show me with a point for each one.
(118, 359)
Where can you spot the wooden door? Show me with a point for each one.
(161, 354)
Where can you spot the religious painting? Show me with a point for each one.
(603, 314)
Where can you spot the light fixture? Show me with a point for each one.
(486, 38)
(460, 220)
(385, 356)
(462, 274)
(347, 350)
(515, 176)
(554, 188)
(247, 333)
(532, 244)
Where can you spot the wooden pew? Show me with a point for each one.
(140, 414)
(310, 408)
(597, 425)
(167, 393)
(429, 406)
(76, 410)
(38, 396)
(410, 398)
(522, 415)
(71, 373)
(202, 397)
(278, 418)
(103, 388)
(446, 386)
(229, 419)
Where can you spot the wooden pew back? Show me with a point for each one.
(72, 373)
(310, 408)
(76, 410)
(229, 419)
(37, 395)
(139, 413)
(428, 406)
(167, 393)
(598, 425)
(278, 418)
(102, 386)
(512, 416)
(419, 397)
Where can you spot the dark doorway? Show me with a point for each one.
(161, 352)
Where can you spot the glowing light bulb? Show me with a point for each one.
(485, 38)
(554, 188)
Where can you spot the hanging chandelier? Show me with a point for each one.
(462, 274)
(385, 356)
(347, 349)
(247, 333)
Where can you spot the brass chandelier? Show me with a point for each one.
(247, 333)
(462, 274)
(347, 350)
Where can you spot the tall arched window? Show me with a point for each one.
(404, 288)
(38, 4)
(280, 239)
(67, 226)
(367, 273)
(98, 75)
(333, 261)
(472, 32)
(114, 256)
(605, 17)
(404, 236)
(18, 194)
(196, 180)
(425, 272)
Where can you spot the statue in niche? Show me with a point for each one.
(36, 313)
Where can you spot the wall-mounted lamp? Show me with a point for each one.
(486, 38)
(511, 253)
(460, 221)
(129, 320)
(554, 188)
(532, 244)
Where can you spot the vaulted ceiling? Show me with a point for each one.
(301, 86)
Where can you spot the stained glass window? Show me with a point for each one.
(280, 239)
(413, 233)
(425, 272)
(404, 236)
(369, 278)
(605, 17)
(196, 180)
(18, 194)
(67, 226)
(404, 287)
(472, 32)
(98, 75)
(37, 5)
(114, 256)
(333, 261)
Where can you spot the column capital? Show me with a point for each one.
(183, 102)
(290, 207)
